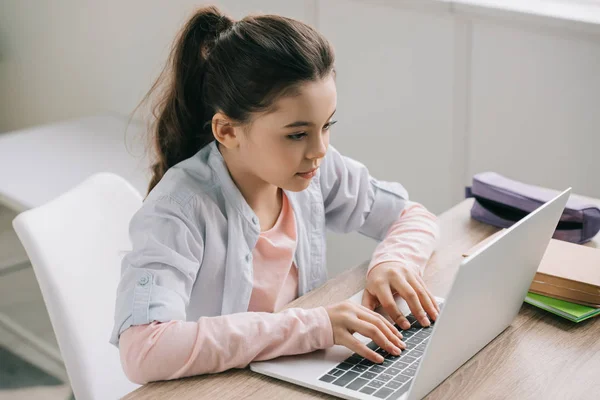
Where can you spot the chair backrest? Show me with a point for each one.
(75, 243)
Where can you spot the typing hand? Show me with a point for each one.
(347, 317)
(388, 278)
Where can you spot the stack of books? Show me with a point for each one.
(566, 309)
(567, 282)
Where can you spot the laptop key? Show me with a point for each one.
(373, 346)
(387, 363)
(400, 391)
(382, 352)
(385, 377)
(401, 378)
(377, 369)
(383, 393)
(393, 371)
(400, 364)
(345, 366)
(337, 372)
(368, 390)
(327, 378)
(354, 359)
(416, 353)
(409, 372)
(360, 368)
(377, 383)
(393, 385)
(346, 378)
(368, 375)
(357, 384)
(366, 362)
(411, 318)
(409, 359)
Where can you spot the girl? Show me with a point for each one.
(233, 227)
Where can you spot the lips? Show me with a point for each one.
(308, 172)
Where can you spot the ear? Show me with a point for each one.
(224, 131)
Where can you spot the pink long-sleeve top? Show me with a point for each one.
(176, 349)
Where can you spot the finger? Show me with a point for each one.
(368, 300)
(385, 327)
(371, 331)
(394, 330)
(386, 299)
(404, 289)
(431, 296)
(424, 298)
(360, 348)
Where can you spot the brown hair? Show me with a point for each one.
(237, 68)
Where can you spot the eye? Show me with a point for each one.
(329, 125)
(297, 136)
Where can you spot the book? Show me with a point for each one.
(567, 271)
(571, 311)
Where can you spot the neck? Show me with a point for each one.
(260, 195)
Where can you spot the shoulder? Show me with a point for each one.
(189, 189)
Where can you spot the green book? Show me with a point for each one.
(571, 311)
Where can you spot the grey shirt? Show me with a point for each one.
(193, 237)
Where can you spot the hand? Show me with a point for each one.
(347, 317)
(388, 278)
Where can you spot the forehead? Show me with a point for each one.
(314, 100)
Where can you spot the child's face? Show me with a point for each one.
(281, 154)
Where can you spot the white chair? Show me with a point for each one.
(75, 243)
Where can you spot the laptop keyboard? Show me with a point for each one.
(390, 379)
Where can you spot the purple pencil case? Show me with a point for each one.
(501, 202)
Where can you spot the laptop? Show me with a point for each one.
(486, 295)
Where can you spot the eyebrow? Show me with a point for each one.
(305, 123)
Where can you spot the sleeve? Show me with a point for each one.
(411, 239)
(354, 200)
(177, 349)
(158, 273)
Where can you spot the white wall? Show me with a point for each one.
(429, 93)
(67, 58)
(395, 92)
(534, 106)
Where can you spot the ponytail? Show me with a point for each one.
(179, 129)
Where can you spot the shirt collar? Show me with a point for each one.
(230, 190)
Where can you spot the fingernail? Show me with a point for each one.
(397, 351)
(425, 322)
(379, 359)
(436, 315)
(402, 345)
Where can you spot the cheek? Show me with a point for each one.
(277, 158)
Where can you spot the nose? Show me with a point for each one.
(318, 147)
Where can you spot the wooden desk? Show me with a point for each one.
(540, 356)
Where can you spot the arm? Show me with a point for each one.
(354, 200)
(176, 349)
(410, 241)
(159, 272)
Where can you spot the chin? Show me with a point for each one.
(296, 186)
